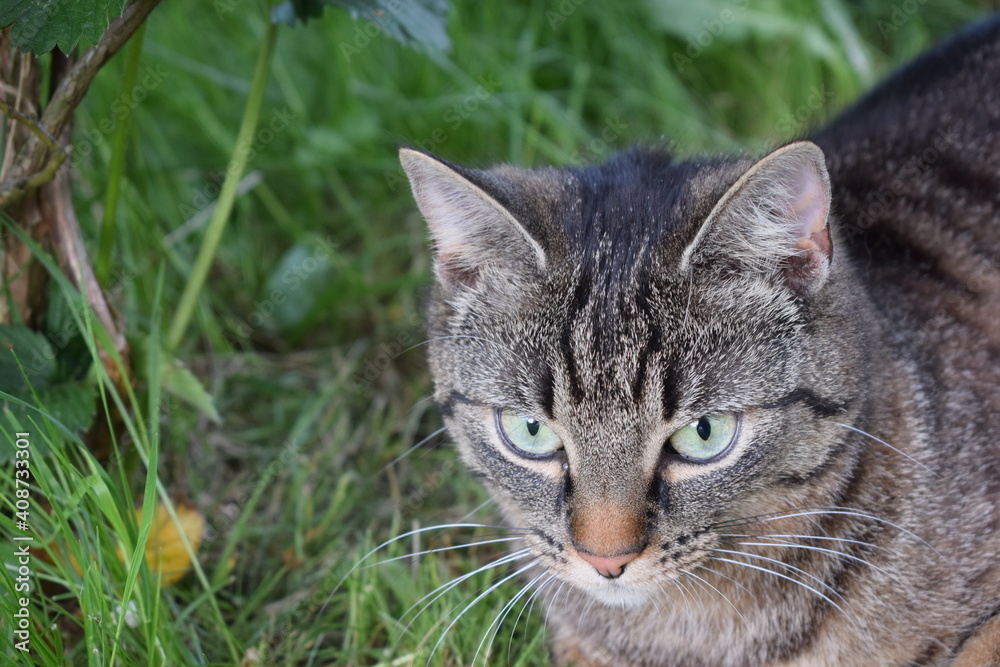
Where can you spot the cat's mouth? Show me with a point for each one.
(633, 582)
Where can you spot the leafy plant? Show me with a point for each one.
(327, 445)
(67, 357)
(414, 21)
(41, 25)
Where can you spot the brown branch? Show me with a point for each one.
(21, 185)
(72, 255)
(31, 168)
(32, 124)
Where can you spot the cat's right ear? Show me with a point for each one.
(774, 220)
(474, 236)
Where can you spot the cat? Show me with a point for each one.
(745, 412)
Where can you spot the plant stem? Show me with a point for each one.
(118, 161)
(237, 164)
(33, 167)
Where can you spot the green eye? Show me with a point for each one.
(706, 437)
(526, 434)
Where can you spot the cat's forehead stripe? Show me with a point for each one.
(671, 391)
(569, 363)
(546, 390)
(616, 214)
(652, 346)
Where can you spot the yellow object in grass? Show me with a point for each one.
(165, 551)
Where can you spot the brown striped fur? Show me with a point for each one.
(845, 303)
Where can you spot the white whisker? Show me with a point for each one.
(409, 533)
(479, 338)
(847, 511)
(498, 621)
(416, 554)
(728, 601)
(832, 552)
(679, 584)
(413, 449)
(443, 589)
(822, 511)
(883, 442)
(807, 587)
(689, 587)
(797, 570)
(791, 536)
(702, 566)
(529, 605)
(586, 609)
(491, 499)
(472, 604)
(558, 592)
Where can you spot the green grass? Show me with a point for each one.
(321, 393)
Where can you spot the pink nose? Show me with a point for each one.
(611, 567)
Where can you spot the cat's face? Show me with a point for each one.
(634, 355)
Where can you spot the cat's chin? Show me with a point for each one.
(616, 594)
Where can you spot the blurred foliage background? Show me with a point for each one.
(307, 334)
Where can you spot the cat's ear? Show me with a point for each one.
(774, 219)
(473, 234)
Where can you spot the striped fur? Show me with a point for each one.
(856, 519)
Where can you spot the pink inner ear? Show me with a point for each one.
(809, 211)
(453, 269)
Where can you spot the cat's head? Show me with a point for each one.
(630, 354)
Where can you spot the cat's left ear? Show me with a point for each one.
(476, 238)
(774, 219)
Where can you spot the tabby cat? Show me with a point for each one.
(744, 412)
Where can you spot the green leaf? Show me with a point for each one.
(409, 21)
(173, 377)
(182, 383)
(40, 25)
(73, 357)
(73, 360)
(72, 404)
(27, 350)
(294, 287)
(302, 10)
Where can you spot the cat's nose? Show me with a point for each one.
(609, 567)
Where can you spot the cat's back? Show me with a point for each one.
(915, 169)
(915, 176)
